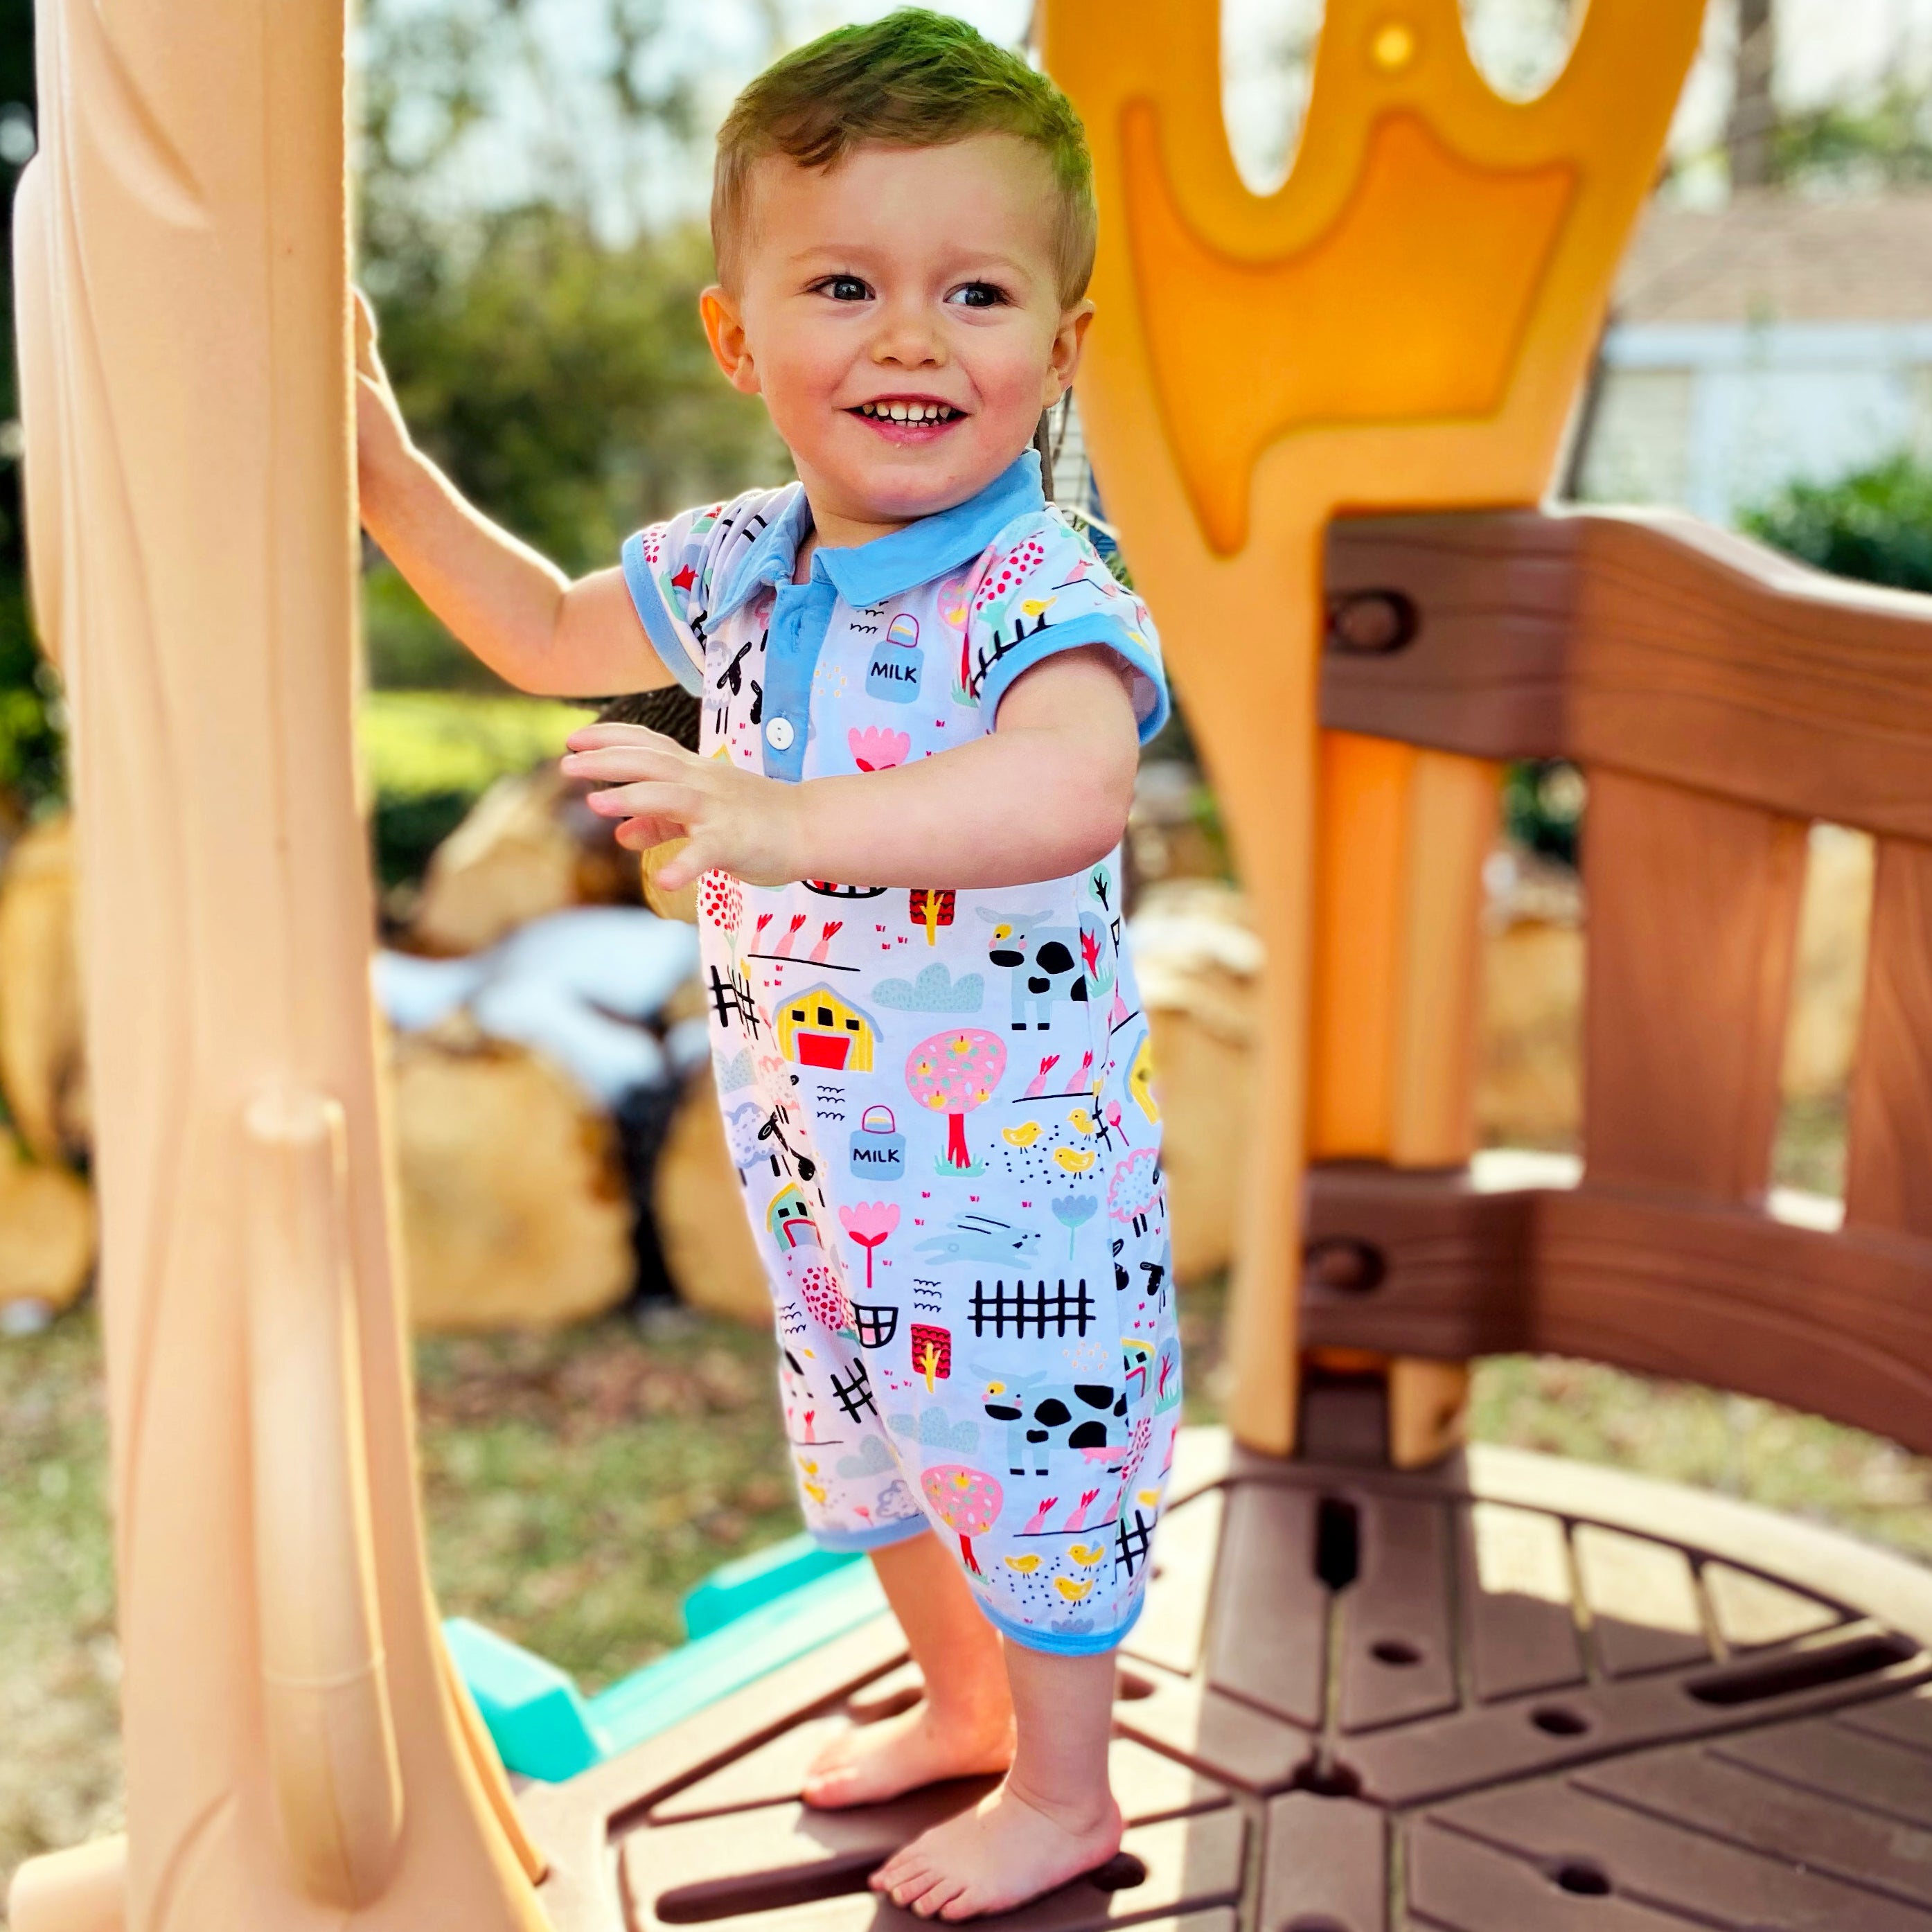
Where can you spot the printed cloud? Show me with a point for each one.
(873, 1459)
(932, 1430)
(935, 991)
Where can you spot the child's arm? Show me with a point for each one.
(515, 610)
(1045, 793)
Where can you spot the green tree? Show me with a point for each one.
(560, 376)
(30, 744)
(1876, 525)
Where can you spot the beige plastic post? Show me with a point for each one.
(296, 1756)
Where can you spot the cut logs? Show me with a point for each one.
(1198, 964)
(42, 1070)
(514, 1211)
(47, 1234)
(528, 846)
(698, 1202)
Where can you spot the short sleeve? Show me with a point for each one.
(674, 571)
(1043, 589)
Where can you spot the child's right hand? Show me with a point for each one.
(381, 434)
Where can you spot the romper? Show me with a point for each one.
(940, 1102)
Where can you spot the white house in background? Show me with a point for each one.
(1753, 345)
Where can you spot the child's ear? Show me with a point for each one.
(724, 330)
(1068, 341)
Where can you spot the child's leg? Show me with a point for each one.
(965, 1726)
(1054, 1818)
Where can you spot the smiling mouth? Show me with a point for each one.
(912, 411)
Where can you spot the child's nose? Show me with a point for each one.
(907, 336)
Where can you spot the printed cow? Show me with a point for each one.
(1041, 1416)
(1044, 962)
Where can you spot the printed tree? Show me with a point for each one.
(952, 1073)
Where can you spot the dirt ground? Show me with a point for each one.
(577, 1484)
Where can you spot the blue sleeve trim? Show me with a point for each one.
(648, 601)
(880, 1536)
(1062, 1643)
(1093, 627)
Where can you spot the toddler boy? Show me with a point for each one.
(922, 696)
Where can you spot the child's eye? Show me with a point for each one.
(843, 288)
(978, 294)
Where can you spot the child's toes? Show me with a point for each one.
(945, 1893)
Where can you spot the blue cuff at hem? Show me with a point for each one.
(880, 1536)
(1069, 1643)
(648, 601)
(1094, 627)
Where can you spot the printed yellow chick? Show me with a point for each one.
(1076, 1160)
(1081, 1121)
(1072, 1591)
(1038, 606)
(1026, 1565)
(1023, 1135)
(1087, 1553)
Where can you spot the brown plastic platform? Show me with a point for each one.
(1514, 1695)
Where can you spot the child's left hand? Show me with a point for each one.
(737, 821)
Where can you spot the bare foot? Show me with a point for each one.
(872, 1762)
(999, 1854)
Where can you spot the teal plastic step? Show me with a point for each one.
(545, 1728)
(735, 1589)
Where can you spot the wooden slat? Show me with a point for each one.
(1645, 642)
(1693, 926)
(1269, 1624)
(783, 1868)
(1457, 1884)
(1174, 1623)
(1659, 1863)
(1889, 1180)
(1877, 1775)
(1484, 1744)
(1905, 1720)
(1516, 1595)
(1719, 1792)
(1225, 1738)
(1643, 1598)
(1324, 1862)
(1146, 1785)
(1839, 1325)
(1396, 1658)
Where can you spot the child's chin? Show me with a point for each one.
(901, 483)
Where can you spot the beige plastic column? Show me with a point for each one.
(297, 1754)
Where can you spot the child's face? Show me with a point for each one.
(918, 277)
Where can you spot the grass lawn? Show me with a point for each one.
(578, 1484)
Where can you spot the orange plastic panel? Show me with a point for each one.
(1403, 325)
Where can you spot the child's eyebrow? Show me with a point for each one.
(830, 256)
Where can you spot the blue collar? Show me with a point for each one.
(870, 573)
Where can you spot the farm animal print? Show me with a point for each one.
(940, 1101)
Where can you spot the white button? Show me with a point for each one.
(778, 733)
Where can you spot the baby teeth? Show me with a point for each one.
(908, 412)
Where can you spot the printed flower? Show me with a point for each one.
(1073, 1211)
(869, 1223)
(877, 749)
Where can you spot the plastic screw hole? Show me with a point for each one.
(1392, 1651)
(1559, 1720)
(1344, 1265)
(1584, 1877)
(1328, 1780)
